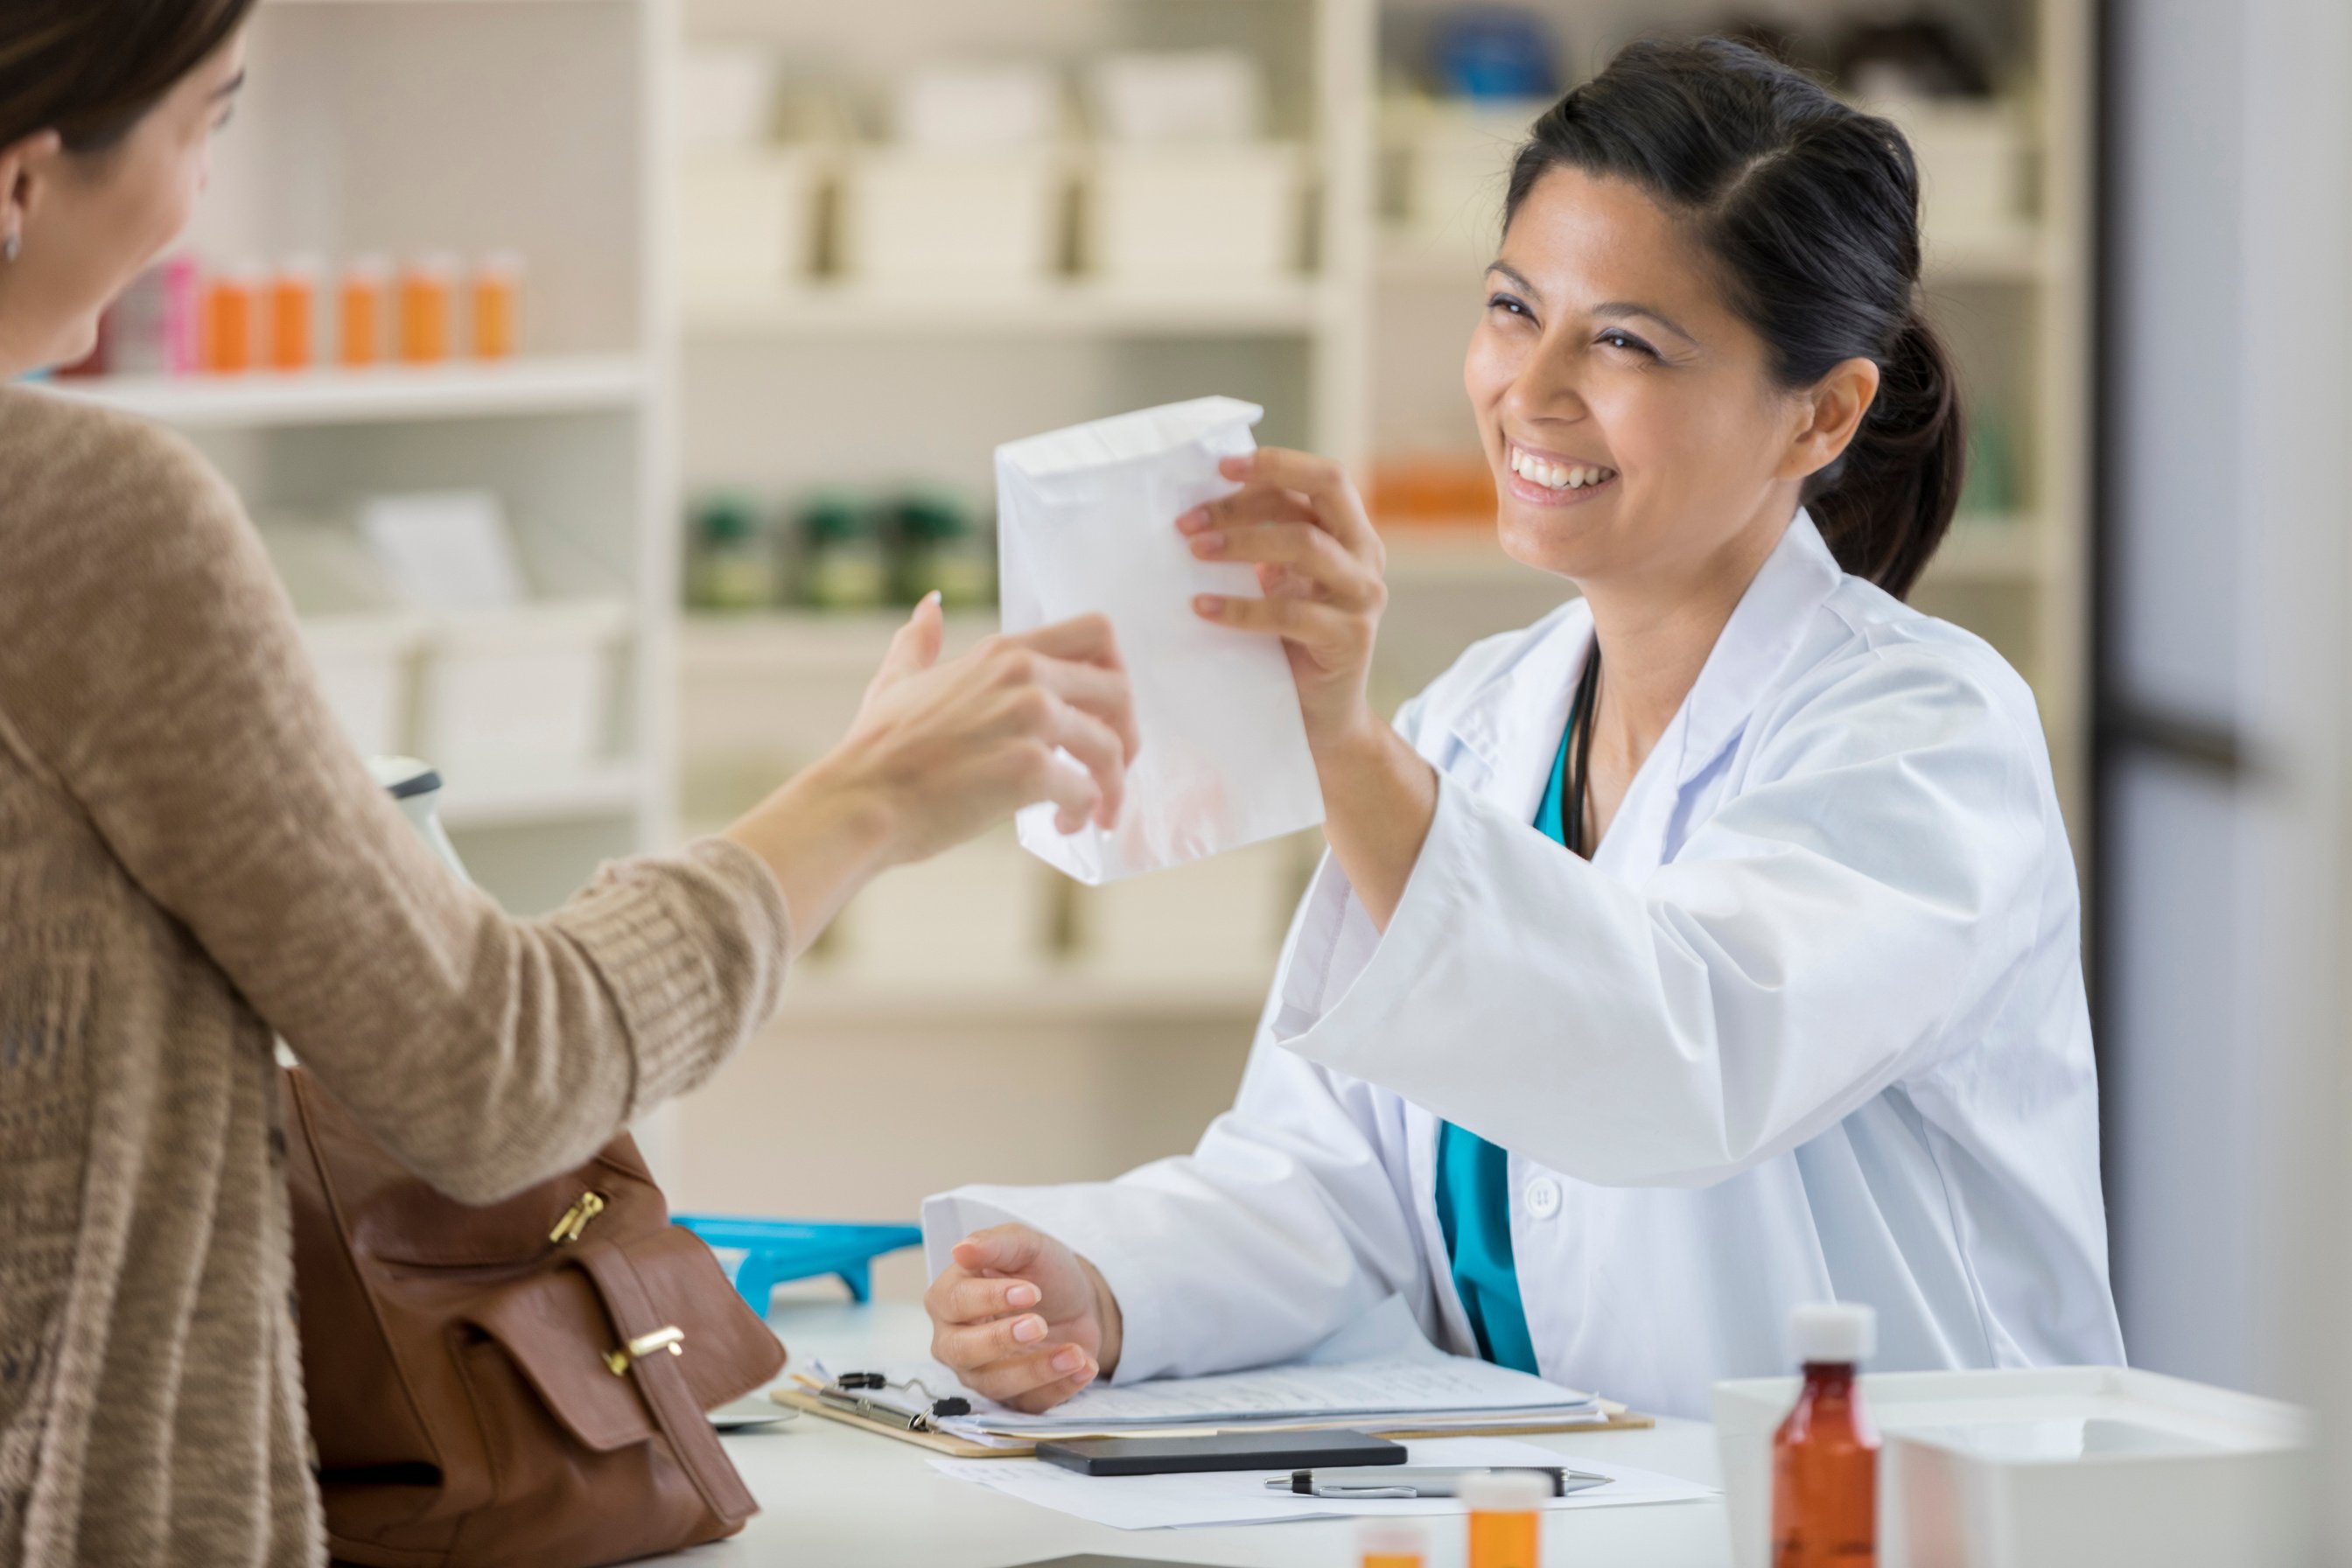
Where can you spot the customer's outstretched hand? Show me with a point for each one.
(939, 752)
(1022, 1319)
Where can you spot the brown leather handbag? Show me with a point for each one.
(523, 1383)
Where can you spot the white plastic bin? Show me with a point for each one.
(1172, 215)
(979, 913)
(1214, 921)
(1456, 167)
(2052, 1468)
(523, 695)
(366, 664)
(945, 220)
(747, 218)
(1975, 170)
(1181, 96)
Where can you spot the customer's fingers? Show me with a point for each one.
(1106, 694)
(1087, 639)
(1100, 750)
(1018, 1377)
(915, 646)
(1048, 776)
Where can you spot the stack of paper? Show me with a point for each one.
(1379, 1377)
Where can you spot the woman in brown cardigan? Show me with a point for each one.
(191, 859)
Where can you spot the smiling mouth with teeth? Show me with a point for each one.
(1554, 475)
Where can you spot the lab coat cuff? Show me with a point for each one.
(1077, 1216)
(1353, 970)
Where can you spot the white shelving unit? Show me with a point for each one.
(402, 127)
(793, 388)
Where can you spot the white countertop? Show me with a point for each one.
(831, 1496)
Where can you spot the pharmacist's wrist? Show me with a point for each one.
(1110, 1324)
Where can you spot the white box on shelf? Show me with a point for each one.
(521, 695)
(1202, 214)
(747, 219)
(727, 96)
(980, 914)
(1975, 171)
(1457, 165)
(2045, 1467)
(445, 550)
(966, 107)
(1216, 920)
(1188, 96)
(944, 220)
(365, 662)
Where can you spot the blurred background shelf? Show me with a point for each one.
(618, 789)
(550, 384)
(1065, 310)
(1062, 994)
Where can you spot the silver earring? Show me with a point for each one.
(11, 247)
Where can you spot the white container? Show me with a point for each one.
(1457, 167)
(1185, 96)
(747, 219)
(1204, 214)
(967, 107)
(366, 664)
(1975, 170)
(2046, 1469)
(523, 695)
(944, 221)
(727, 96)
(982, 912)
(1214, 921)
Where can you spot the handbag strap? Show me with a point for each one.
(663, 1384)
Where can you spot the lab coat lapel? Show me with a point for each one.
(1511, 724)
(1794, 581)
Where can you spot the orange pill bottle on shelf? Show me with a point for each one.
(1392, 1544)
(1825, 1455)
(428, 288)
(294, 314)
(362, 309)
(497, 306)
(232, 316)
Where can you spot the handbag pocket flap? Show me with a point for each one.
(557, 1329)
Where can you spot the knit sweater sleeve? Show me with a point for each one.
(154, 669)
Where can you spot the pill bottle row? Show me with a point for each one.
(281, 318)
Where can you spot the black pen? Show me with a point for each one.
(1420, 1480)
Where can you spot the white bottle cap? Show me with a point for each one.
(1833, 1333)
(1504, 1491)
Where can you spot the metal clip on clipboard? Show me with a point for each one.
(852, 1393)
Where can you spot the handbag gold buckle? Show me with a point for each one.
(672, 1340)
(575, 1218)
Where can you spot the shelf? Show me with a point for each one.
(1281, 309)
(2022, 255)
(759, 642)
(614, 790)
(1988, 550)
(1042, 995)
(544, 385)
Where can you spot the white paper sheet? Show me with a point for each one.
(1242, 1497)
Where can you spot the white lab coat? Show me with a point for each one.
(1811, 1024)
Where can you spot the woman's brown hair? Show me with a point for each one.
(88, 69)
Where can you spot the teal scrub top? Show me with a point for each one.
(1474, 1185)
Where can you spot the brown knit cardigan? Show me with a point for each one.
(192, 858)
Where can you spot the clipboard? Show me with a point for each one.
(1616, 1418)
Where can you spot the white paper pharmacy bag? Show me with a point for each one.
(1087, 522)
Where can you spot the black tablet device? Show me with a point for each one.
(1223, 1451)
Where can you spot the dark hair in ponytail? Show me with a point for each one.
(1810, 210)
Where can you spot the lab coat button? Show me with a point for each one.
(1543, 1197)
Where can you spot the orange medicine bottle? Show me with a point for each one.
(497, 306)
(1506, 1518)
(1825, 1455)
(232, 307)
(1392, 1544)
(293, 314)
(428, 287)
(360, 310)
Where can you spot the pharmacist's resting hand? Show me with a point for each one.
(1021, 1318)
(1299, 522)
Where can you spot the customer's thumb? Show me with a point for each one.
(915, 648)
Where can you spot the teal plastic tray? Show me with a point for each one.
(778, 1250)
